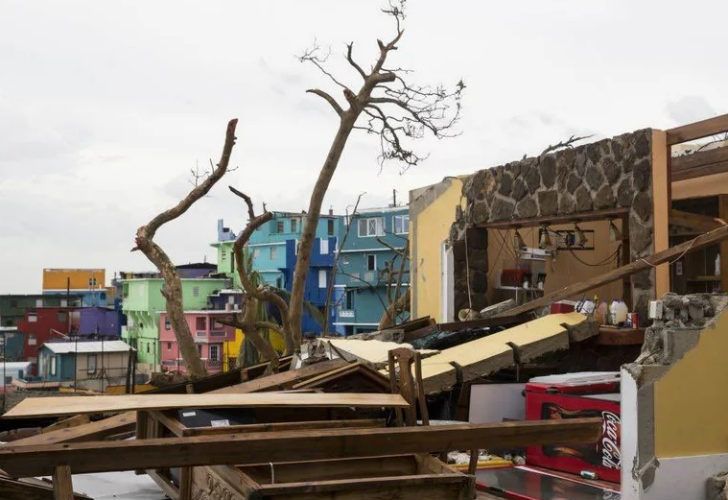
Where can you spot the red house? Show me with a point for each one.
(41, 325)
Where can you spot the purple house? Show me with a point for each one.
(99, 321)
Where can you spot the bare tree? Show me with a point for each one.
(390, 108)
(172, 290)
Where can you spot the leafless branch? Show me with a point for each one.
(328, 99)
(568, 144)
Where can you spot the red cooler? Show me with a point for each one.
(578, 395)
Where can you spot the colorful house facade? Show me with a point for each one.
(142, 303)
(14, 306)
(211, 338)
(274, 247)
(42, 325)
(85, 360)
(368, 268)
(90, 284)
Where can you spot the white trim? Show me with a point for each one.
(385, 249)
(277, 243)
(383, 209)
(394, 223)
(339, 286)
(366, 224)
(355, 324)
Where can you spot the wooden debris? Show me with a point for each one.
(53, 406)
(25, 461)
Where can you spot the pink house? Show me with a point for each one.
(211, 338)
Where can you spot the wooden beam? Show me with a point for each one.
(723, 214)
(696, 222)
(702, 163)
(671, 253)
(696, 130)
(88, 432)
(283, 380)
(25, 461)
(553, 220)
(285, 426)
(52, 406)
(62, 483)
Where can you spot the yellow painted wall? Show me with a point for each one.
(431, 228)
(231, 348)
(57, 279)
(690, 399)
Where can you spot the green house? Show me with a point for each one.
(142, 302)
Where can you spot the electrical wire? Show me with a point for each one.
(601, 263)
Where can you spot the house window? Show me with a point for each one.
(167, 324)
(32, 340)
(32, 318)
(195, 291)
(201, 323)
(91, 363)
(370, 227)
(53, 365)
(401, 224)
(294, 225)
(273, 253)
(217, 325)
(349, 302)
(330, 227)
(256, 253)
(278, 227)
(217, 333)
(169, 346)
(322, 278)
(38, 302)
(371, 262)
(148, 351)
(324, 246)
(214, 352)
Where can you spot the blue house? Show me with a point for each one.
(368, 268)
(274, 248)
(84, 360)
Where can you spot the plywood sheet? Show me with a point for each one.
(375, 352)
(489, 354)
(53, 406)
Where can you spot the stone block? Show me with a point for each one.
(548, 202)
(526, 208)
(604, 198)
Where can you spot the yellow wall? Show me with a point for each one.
(57, 279)
(431, 228)
(690, 399)
(232, 347)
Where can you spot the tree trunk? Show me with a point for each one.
(312, 217)
(389, 317)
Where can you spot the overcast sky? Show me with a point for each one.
(106, 106)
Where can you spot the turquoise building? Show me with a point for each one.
(369, 256)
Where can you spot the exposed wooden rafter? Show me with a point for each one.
(697, 130)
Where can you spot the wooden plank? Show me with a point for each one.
(88, 432)
(29, 489)
(24, 461)
(62, 483)
(283, 380)
(285, 426)
(701, 241)
(723, 214)
(389, 484)
(552, 220)
(52, 406)
(696, 222)
(698, 159)
(67, 422)
(703, 128)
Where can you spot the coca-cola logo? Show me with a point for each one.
(609, 444)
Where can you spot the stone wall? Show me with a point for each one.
(611, 173)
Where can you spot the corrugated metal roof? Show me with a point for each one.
(87, 347)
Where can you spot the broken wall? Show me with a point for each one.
(674, 432)
(607, 174)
